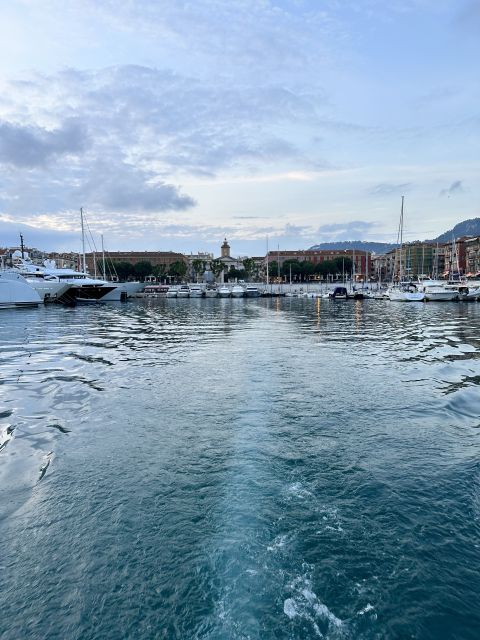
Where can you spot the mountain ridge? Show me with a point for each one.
(470, 227)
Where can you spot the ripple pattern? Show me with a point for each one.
(240, 469)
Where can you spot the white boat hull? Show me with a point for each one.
(405, 296)
(440, 296)
(16, 292)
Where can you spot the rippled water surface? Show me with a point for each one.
(233, 469)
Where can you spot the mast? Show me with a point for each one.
(267, 261)
(84, 263)
(401, 242)
(103, 259)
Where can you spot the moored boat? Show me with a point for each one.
(16, 292)
(224, 291)
(238, 291)
(183, 291)
(252, 291)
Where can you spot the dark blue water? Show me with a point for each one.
(233, 469)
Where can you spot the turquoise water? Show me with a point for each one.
(233, 469)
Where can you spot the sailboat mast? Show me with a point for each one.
(84, 262)
(267, 261)
(103, 259)
(401, 242)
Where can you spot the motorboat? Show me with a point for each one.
(405, 294)
(224, 291)
(339, 293)
(238, 291)
(183, 291)
(16, 292)
(81, 287)
(211, 292)
(48, 287)
(440, 293)
(196, 291)
(172, 292)
(252, 291)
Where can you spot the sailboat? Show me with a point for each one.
(403, 292)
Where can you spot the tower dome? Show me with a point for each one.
(225, 249)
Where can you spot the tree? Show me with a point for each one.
(292, 266)
(123, 270)
(178, 269)
(143, 269)
(160, 270)
(236, 274)
(217, 267)
(198, 267)
(249, 266)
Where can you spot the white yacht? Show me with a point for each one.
(172, 292)
(238, 291)
(224, 291)
(49, 288)
(196, 291)
(252, 291)
(405, 294)
(436, 290)
(81, 287)
(183, 291)
(16, 292)
(211, 292)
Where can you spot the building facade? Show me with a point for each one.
(361, 259)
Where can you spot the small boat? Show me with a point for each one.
(224, 291)
(237, 291)
(16, 292)
(183, 291)
(252, 291)
(339, 293)
(172, 292)
(196, 291)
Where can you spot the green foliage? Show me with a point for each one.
(124, 270)
(239, 274)
(160, 270)
(217, 267)
(178, 270)
(199, 266)
(143, 269)
(249, 266)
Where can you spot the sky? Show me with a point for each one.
(177, 123)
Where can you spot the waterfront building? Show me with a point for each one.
(198, 264)
(362, 259)
(455, 256)
(163, 259)
(228, 261)
(472, 256)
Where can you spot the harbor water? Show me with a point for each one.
(240, 469)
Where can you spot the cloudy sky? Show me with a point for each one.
(175, 123)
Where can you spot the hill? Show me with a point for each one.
(361, 245)
(466, 228)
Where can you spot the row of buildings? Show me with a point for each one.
(419, 258)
